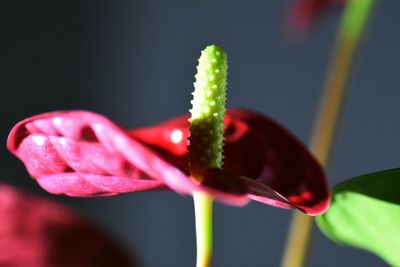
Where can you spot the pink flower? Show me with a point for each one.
(79, 153)
(304, 12)
(36, 232)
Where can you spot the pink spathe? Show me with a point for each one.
(80, 153)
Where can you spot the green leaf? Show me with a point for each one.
(365, 213)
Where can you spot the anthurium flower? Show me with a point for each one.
(37, 232)
(79, 153)
(304, 12)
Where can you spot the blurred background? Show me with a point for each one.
(134, 62)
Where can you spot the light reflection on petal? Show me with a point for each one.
(39, 140)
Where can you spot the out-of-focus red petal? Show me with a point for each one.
(80, 153)
(276, 168)
(304, 12)
(36, 232)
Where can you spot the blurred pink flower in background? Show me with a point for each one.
(36, 232)
(303, 13)
(80, 153)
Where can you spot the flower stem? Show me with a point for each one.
(203, 214)
(352, 26)
(206, 139)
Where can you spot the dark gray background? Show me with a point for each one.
(134, 62)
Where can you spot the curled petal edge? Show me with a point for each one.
(33, 133)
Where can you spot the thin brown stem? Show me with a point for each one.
(353, 24)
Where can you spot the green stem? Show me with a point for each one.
(203, 214)
(352, 27)
(355, 18)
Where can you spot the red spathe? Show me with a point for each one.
(80, 153)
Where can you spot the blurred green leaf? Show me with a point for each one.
(365, 213)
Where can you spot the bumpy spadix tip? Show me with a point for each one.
(208, 111)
